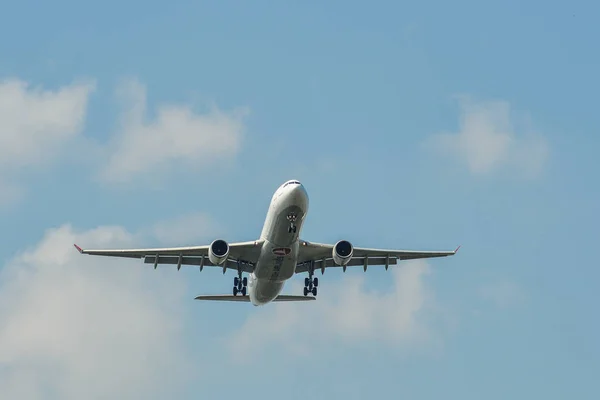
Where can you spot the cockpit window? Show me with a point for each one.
(291, 183)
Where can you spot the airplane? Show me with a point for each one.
(274, 258)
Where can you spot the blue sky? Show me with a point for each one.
(412, 126)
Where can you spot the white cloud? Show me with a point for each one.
(75, 326)
(487, 141)
(177, 137)
(344, 313)
(35, 124)
(503, 294)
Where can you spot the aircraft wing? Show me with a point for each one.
(246, 299)
(319, 255)
(244, 253)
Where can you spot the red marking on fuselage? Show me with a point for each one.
(282, 251)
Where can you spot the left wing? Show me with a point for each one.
(244, 254)
(319, 255)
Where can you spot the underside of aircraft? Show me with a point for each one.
(278, 254)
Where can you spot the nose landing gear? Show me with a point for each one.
(292, 218)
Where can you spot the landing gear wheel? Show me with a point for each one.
(310, 283)
(240, 285)
(292, 218)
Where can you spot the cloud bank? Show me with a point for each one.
(73, 326)
(345, 313)
(487, 141)
(36, 124)
(176, 137)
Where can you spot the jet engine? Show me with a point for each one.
(218, 252)
(342, 252)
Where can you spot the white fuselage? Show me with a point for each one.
(279, 253)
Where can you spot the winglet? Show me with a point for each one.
(79, 249)
(455, 251)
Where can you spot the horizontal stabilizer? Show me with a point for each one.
(246, 299)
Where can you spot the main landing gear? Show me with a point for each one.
(292, 218)
(240, 284)
(310, 284)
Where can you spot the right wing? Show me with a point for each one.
(319, 256)
(244, 254)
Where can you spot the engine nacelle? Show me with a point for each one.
(218, 252)
(342, 252)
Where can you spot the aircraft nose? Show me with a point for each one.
(299, 194)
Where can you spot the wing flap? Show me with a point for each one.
(197, 261)
(355, 261)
